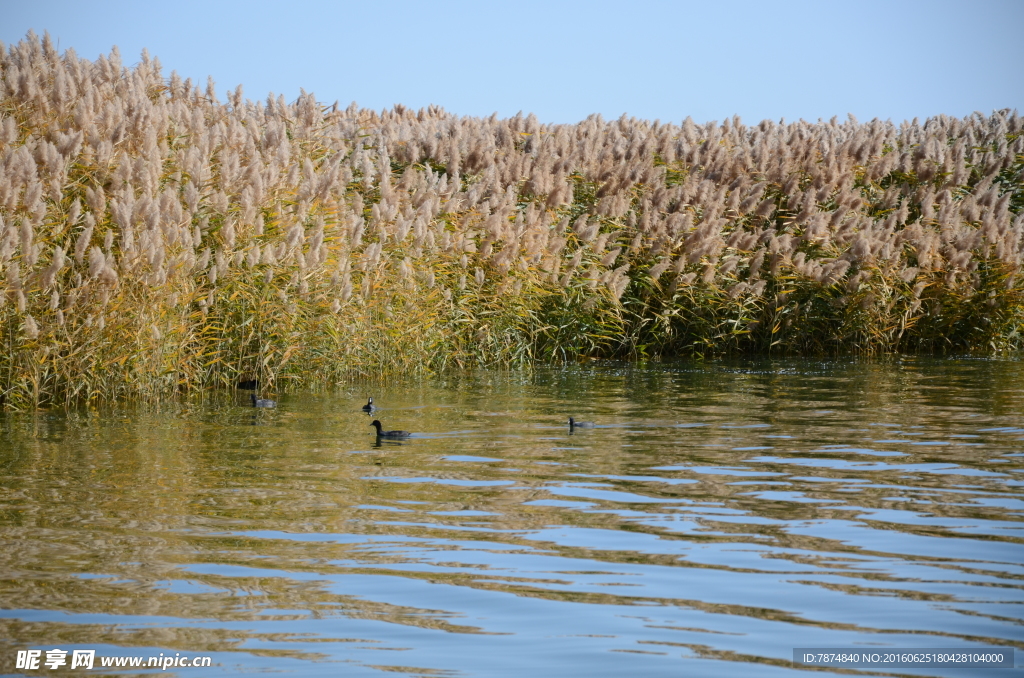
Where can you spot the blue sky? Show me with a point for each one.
(566, 60)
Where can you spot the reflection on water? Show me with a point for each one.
(715, 517)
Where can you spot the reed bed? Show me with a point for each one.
(155, 239)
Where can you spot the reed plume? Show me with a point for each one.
(155, 240)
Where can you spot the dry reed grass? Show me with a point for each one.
(154, 239)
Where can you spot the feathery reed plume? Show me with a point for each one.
(181, 242)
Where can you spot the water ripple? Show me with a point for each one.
(716, 517)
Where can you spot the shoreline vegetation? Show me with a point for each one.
(155, 239)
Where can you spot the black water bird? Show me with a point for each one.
(388, 434)
(261, 402)
(573, 424)
(369, 406)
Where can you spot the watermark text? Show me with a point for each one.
(35, 660)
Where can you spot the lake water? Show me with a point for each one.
(717, 516)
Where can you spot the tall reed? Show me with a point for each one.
(155, 239)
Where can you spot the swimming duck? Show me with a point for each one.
(388, 434)
(261, 402)
(579, 424)
(369, 406)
